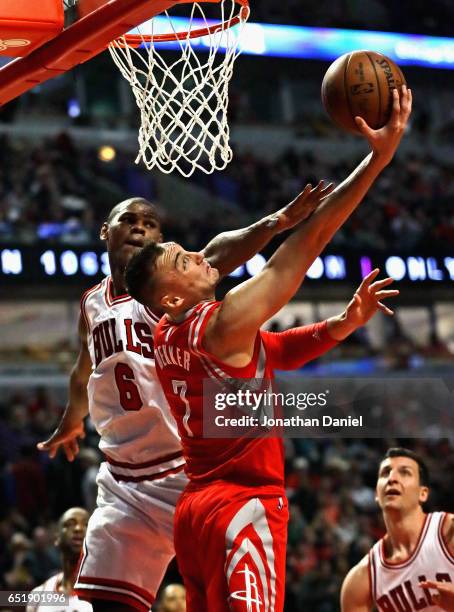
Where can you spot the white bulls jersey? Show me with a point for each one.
(52, 585)
(395, 587)
(127, 405)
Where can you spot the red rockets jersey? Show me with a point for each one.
(182, 364)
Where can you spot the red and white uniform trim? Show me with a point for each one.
(253, 513)
(395, 586)
(149, 470)
(117, 590)
(53, 584)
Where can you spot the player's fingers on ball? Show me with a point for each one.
(82, 435)
(409, 103)
(385, 309)
(396, 99)
(395, 115)
(363, 127)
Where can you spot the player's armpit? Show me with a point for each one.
(355, 592)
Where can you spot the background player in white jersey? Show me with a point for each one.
(71, 532)
(417, 550)
(129, 540)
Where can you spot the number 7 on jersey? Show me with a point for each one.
(179, 388)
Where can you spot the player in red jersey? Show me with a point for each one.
(114, 380)
(230, 524)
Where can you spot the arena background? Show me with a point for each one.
(66, 157)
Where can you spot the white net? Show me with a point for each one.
(183, 100)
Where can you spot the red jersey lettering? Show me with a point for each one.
(182, 364)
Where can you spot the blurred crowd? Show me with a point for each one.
(58, 193)
(330, 486)
(410, 16)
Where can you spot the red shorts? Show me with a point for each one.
(230, 543)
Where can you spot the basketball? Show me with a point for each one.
(360, 84)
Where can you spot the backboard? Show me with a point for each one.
(95, 24)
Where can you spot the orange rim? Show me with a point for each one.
(135, 40)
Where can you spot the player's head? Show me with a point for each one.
(173, 599)
(403, 481)
(72, 527)
(130, 225)
(167, 277)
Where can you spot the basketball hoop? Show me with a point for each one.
(183, 102)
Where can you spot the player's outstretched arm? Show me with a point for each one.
(71, 426)
(295, 347)
(355, 592)
(229, 250)
(366, 302)
(246, 307)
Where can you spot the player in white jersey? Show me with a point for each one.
(129, 540)
(71, 532)
(417, 553)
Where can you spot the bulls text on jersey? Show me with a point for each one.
(106, 340)
(404, 596)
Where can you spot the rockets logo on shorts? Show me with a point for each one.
(250, 595)
(250, 563)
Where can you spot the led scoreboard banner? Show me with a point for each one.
(26, 265)
(278, 40)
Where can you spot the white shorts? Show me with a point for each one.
(129, 540)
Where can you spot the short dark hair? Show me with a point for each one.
(139, 271)
(406, 452)
(129, 201)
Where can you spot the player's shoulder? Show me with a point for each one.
(448, 527)
(94, 289)
(356, 588)
(195, 320)
(50, 584)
